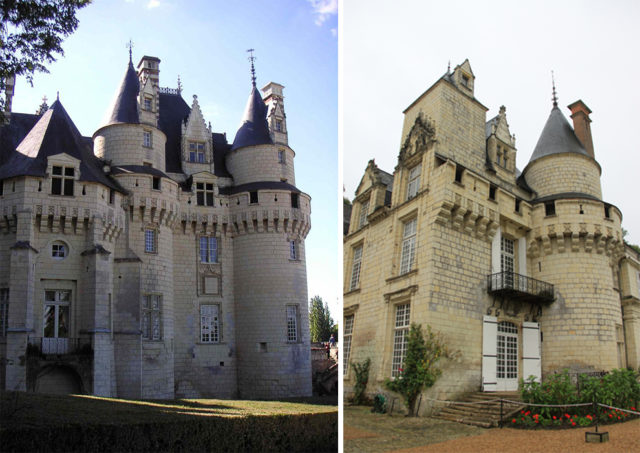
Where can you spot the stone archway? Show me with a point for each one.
(58, 379)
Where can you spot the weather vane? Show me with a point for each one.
(130, 46)
(253, 69)
(553, 84)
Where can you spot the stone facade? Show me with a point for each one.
(525, 273)
(177, 271)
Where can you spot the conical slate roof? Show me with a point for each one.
(254, 129)
(125, 103)
(557, 137)
(54, 133)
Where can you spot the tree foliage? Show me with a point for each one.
(419, 368)
(362, 378)
(320, 321)
(31, 34)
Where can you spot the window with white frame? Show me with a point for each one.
(346, 341)
(208, 249)
(364, 210)
(196, 152)
(4, 311)
(292, 323)
(414, 182)
(62, 180)
(407, 258)
(152, 317)
(400, 336)
(59, 250)
(56, 327)
(355, 269)
(293, 250)
(150, 240)
(209, 324)
(146, 139)
(204, 194)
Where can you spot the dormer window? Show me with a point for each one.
(465, 80)
(62, 180)
(147, 103)
(196, 152)
(278, 125)
(204, 194)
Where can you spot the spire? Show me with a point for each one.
(254, 129)
(449, 67)
(253, 69)
(130, 46)
(555, 97)
(124, 108)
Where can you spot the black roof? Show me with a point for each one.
(557, 137)
(53, 133)
(254, 129)
(125, 103)
(11, 134)
(261, 185)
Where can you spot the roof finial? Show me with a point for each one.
(253, 69)
(57, 95)
(553, 84)
(130, 46)
(179, 85)
(449, 67)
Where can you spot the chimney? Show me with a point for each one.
(581, 124)
(9, 85)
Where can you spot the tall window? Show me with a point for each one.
(292, 323)
(281, 156)
(146, 139)
(204, 194)
(364, 210)
(209, 324)
(152, 317)
(507, 259)
(293, 250)
(62, 180)
(414, 182)
(55, 322)
(355, 270)
(196, 152)
(208, 249)
(4, 311)
(400, 336)
(295, 200)
(150, 241)
(408, 246)
(147, 104)
(346, 340)
(278, 125)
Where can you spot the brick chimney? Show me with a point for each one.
(581, 124)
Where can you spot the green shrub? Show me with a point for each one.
(379, 404)
(362, 378)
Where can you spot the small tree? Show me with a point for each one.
(320, 321)
(362, 378)
(419, 368)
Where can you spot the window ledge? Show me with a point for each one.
(352, 292)
(399, 277)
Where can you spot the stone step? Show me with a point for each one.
(485, 414)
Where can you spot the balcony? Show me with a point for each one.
(520, 287)
(60, 346)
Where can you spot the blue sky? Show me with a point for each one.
(205, 43)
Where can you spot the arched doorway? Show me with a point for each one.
(58, 379)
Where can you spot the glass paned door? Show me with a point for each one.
(56, 322)
(507, 356)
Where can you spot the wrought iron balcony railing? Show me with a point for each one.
(61, 346)
(521, 287)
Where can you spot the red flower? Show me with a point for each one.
(400, 370)
(567, 415)
(589, 417)
(536, 415)
(633, 408)
(537, 421)
(528, 412)
(618, 417)
(573, 423)
(610, 416)
(513, 421)
(554, 417)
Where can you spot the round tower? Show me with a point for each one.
(574, 243)
(134, 147)
(270, 219)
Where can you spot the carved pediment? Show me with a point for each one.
(422, 134)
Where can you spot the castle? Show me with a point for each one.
(525, 273)
(154, 259)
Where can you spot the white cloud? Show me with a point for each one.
(323, 9)
(334, 32)
(153, 4)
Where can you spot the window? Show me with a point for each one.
(281, 156)
(112, 195)
(151, 317)
(208, 249)
(209, 324)
(400, 336)
(364, 210)
(147, 104)
(295, 200)
(506, 260)
(459, 171)
(278, 125)
(253, 197)
(1, 187)
(550, 208)
(58, 250)
(607, 212)
(355, 270)
(55, 322)
(204, 194)
(196, 152)
(465, 80)
(155, 184)
(62, 180)
(346, 339)
(505, 159)
(518, 204)
(150, 241)
(414, 182)
(292, 323)
(293, 250)
(4, 311)
(492, 192)
(498, 155)
(146, 139)
(408, 246)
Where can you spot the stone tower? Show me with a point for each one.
(576, 243)
(270, 219)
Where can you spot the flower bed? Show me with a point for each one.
(529, 418)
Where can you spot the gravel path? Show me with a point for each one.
(367, 432)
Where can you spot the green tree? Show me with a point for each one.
(419, 368)
(320, 322)
(31, 34)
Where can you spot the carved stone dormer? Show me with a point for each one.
(148, 101)
(463, 78)
(421, 136)
(197, 144)
(501, 145)
(276, 118)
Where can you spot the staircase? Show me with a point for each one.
(485, 410)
